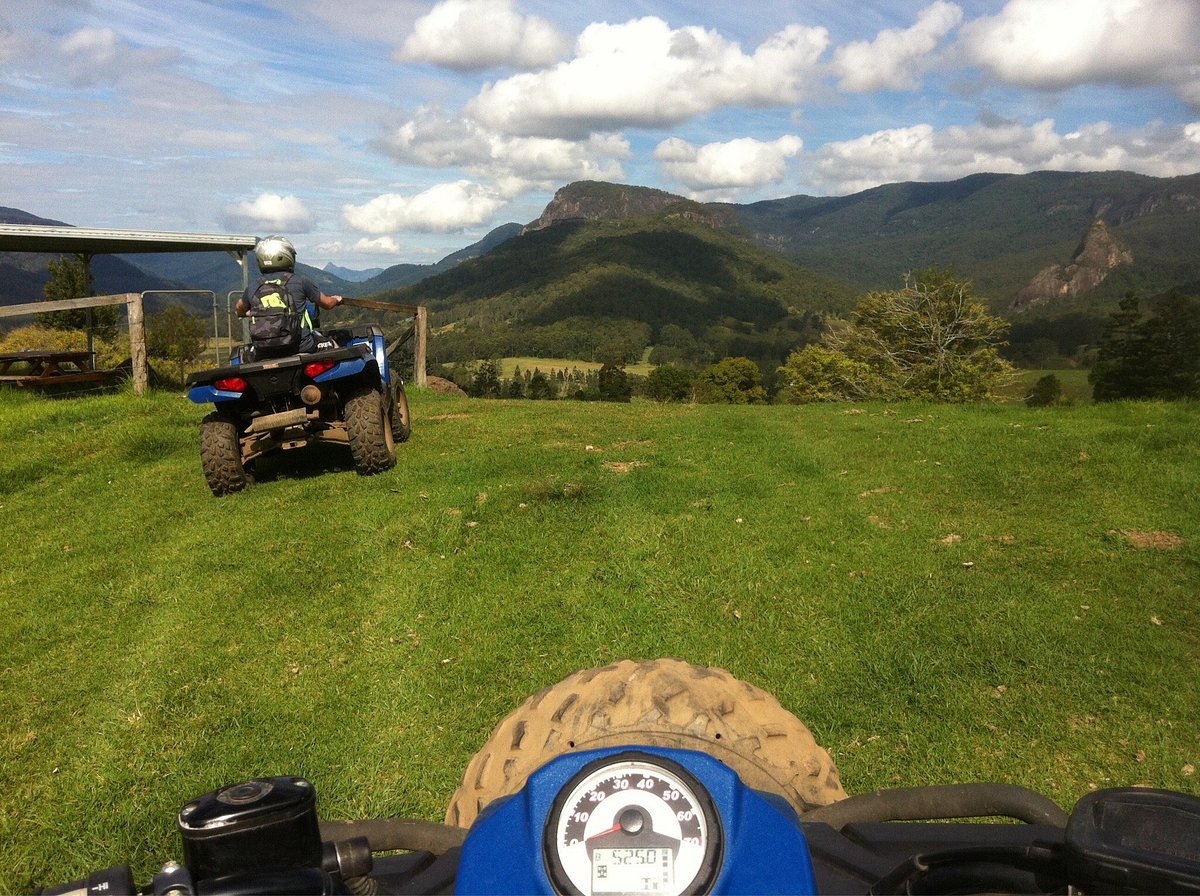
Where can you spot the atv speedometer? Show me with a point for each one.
(632, 823)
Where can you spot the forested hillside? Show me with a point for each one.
(609, 289)
(999, 230)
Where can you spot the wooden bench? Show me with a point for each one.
(39, 368)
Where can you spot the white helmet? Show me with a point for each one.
(275, 253)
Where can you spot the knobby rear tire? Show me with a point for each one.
(665, 703)
(370, 432)
(221, 455)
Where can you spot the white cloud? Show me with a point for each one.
(737, 164)
(11, 44)
(1189, 87)
(270, 211)
(91, 55)
(1053, 44)
(895, 60)
(98, 45)
(547, 161)
(643, 73)
(380, 245)
(435, 140)
(471, 35)
(442, 208)
(921, 153)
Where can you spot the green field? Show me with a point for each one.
(549, 365)
(942, 594)
(1076, 388)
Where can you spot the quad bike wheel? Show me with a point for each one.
(401, 421)
(369, 426)
(664, 703)
(221, 455)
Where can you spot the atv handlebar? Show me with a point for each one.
(263, 836)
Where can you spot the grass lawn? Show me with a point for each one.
(942, 594)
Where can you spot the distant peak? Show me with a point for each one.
(590, 200)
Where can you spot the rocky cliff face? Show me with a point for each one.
(1095, 258)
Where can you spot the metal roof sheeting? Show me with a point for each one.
(103, 241)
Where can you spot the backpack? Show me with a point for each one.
(275, 322)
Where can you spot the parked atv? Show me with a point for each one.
(661, 777)
(345, 394)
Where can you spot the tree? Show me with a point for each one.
(731, 381)
(485, 380)
(1173, 342)
(820, 374)
(540, 388)
(1150, 357)
(1045, 392)
(514, 388)
(670, 382)
(176, 336)
(931, 340)
(71, 278)
(613, 383)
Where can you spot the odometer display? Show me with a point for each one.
(633, 823)
(633, 869)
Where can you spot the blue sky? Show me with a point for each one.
(378, 131)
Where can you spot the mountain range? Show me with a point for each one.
(633, 260)
(1000, 230)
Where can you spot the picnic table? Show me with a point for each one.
(40, 368)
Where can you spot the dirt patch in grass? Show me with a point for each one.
(882, 490)
(1158, 541)
(622, 466)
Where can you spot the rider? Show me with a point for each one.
(275, 255)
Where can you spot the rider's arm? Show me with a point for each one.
(328, 302)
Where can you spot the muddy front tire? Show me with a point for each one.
(664, 703)
(369, 428)
(221, 455)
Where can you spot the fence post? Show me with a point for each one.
(422, 332)
(137, 343)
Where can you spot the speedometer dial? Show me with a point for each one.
(632, 823)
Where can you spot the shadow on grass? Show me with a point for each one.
(316, 459)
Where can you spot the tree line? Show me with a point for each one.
(932, 340)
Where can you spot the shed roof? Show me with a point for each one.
(49, 238)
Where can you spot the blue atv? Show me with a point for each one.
(344, 394)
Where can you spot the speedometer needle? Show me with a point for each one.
(631, 821)
(616, 827)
